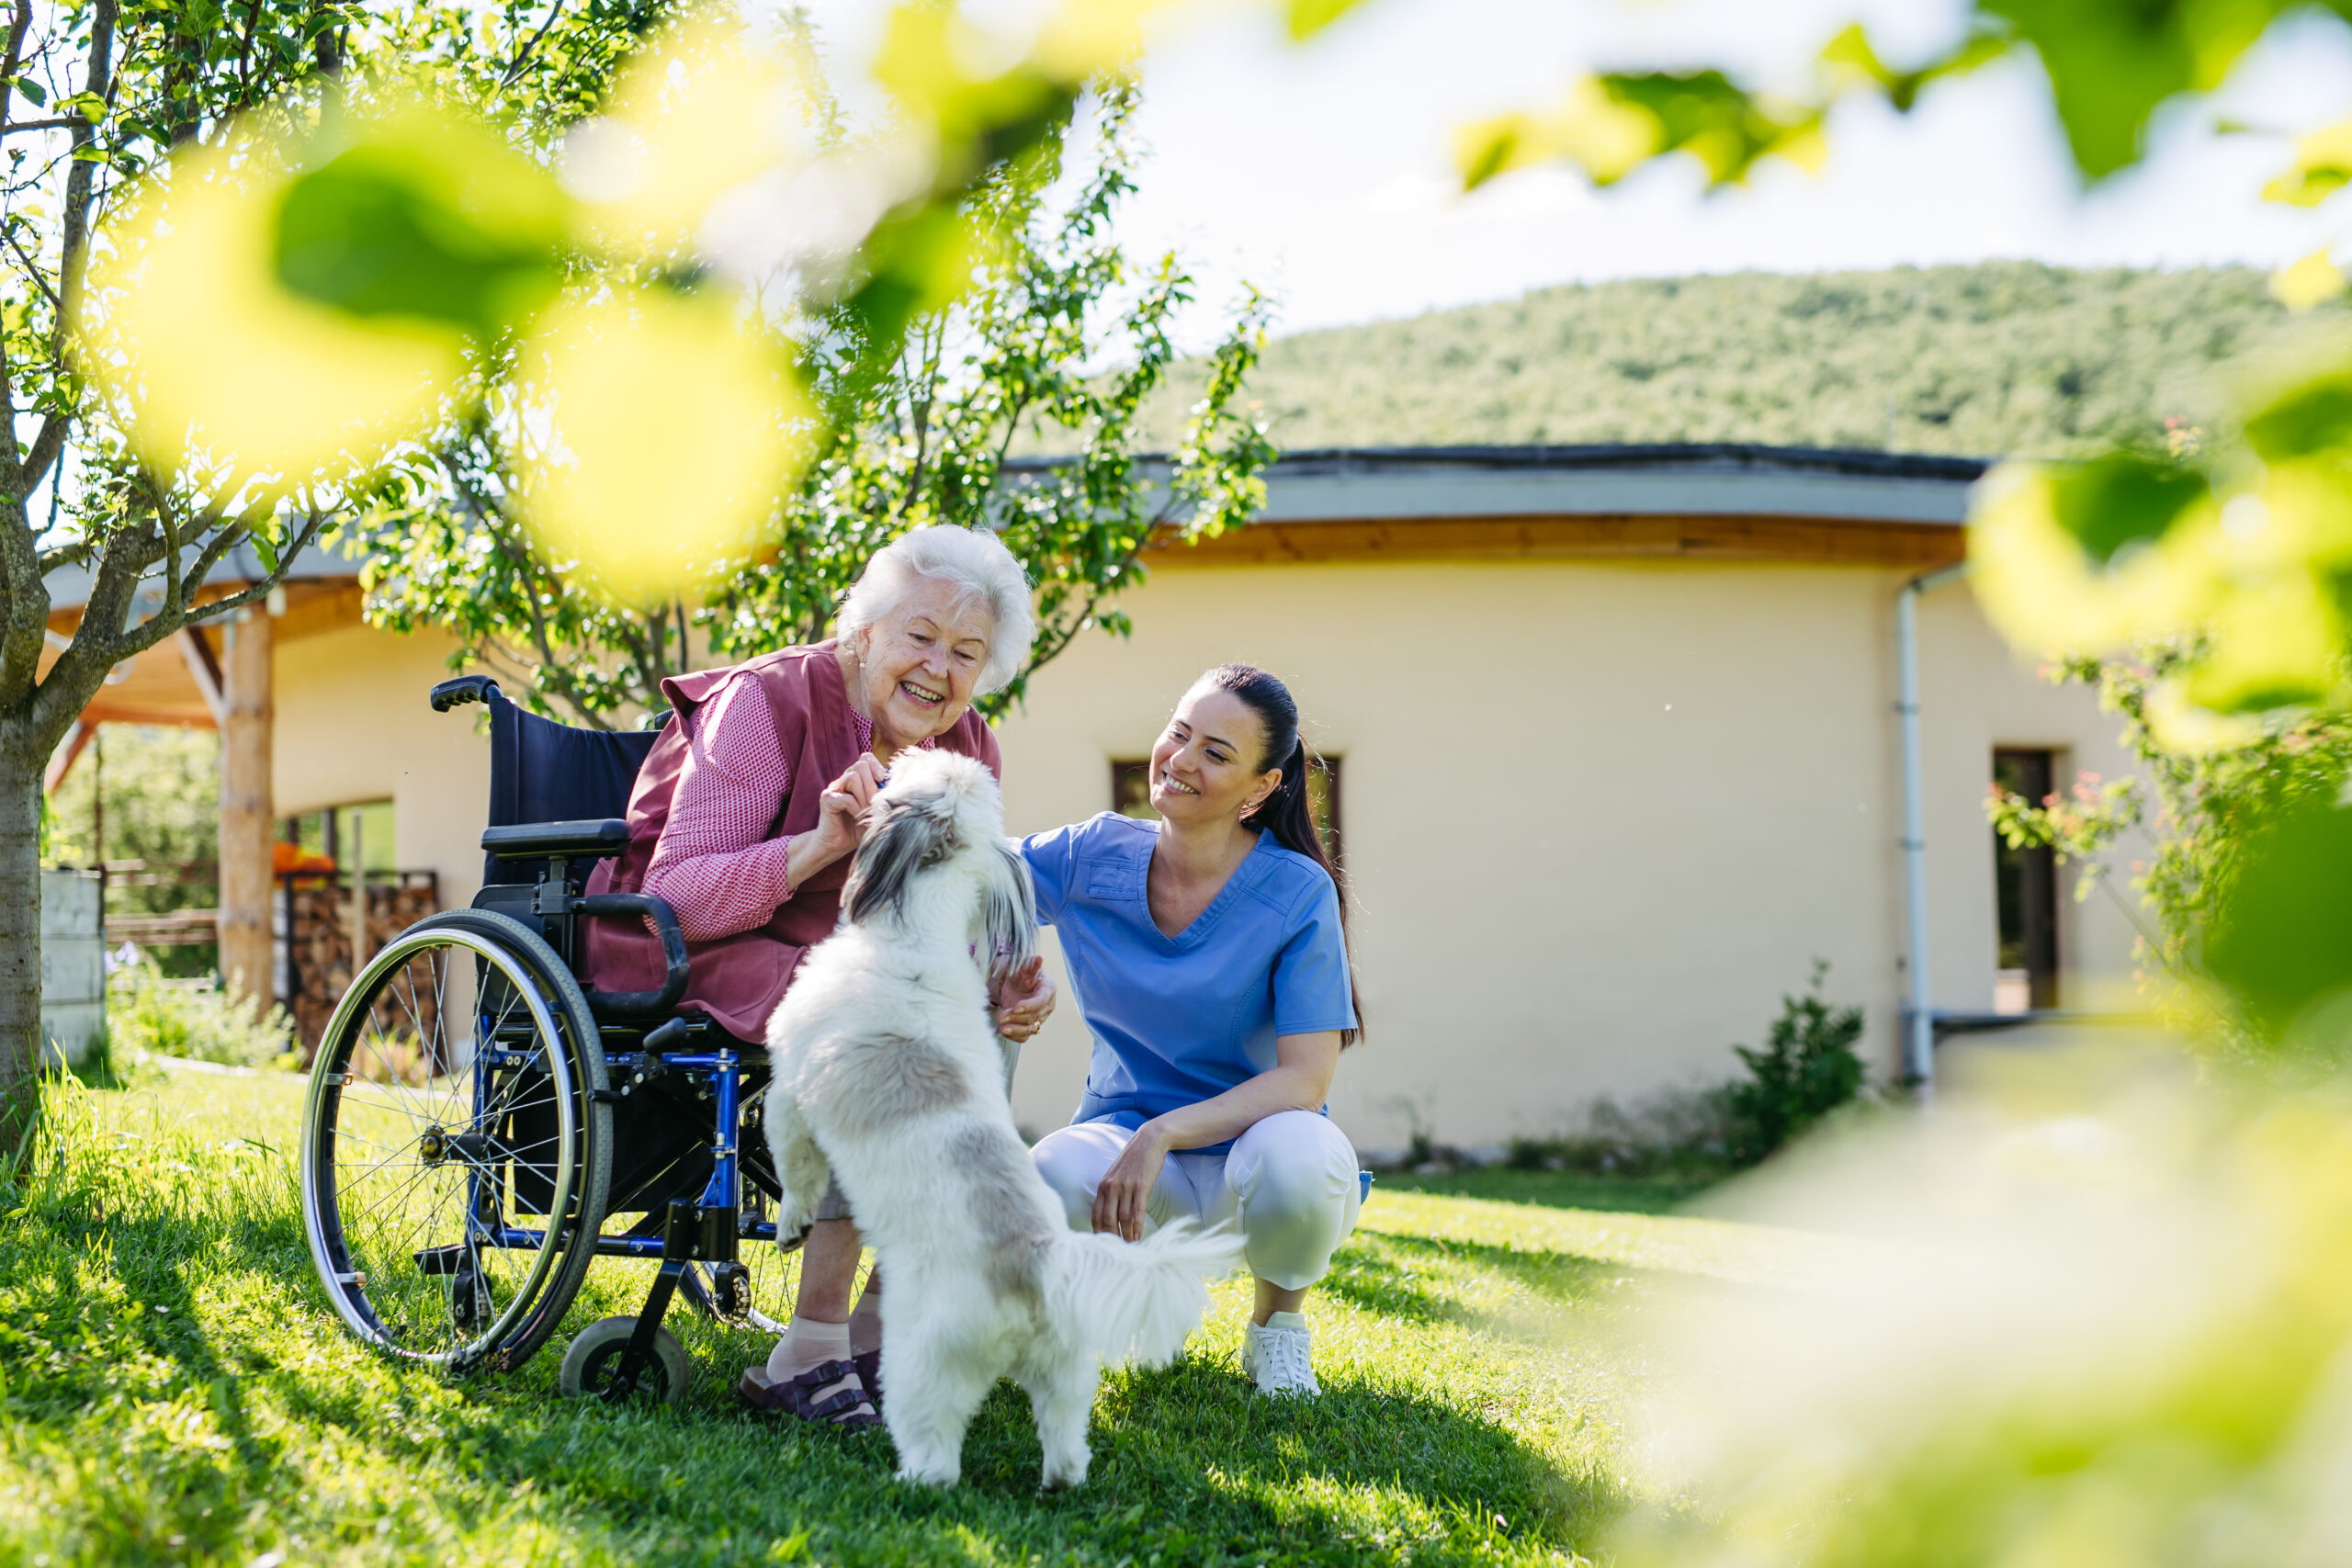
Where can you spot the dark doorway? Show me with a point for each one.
(2025, 882)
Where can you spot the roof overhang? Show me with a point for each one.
(1718, 480)
(1716, 502)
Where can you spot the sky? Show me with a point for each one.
(1321, 172)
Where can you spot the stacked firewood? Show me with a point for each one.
(319, 944)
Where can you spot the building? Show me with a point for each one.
(1617, 758)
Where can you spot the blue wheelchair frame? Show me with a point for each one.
(556, 794)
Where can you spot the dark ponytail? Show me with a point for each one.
(1289, 813)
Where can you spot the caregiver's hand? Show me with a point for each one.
(1025, 997)
(1126, 1186)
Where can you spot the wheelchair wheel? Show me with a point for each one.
(456, 1143)
(594, 1356)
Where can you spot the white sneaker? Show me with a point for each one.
(1275, 1357)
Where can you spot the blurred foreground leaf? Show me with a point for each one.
(2314, 280)
(415, 215)
(1307, 18)
(1610, 125)
(2094, 1314)
(214, 361)
(698, 112)
(2121, 500)
(1852, 59)
(666, 439)
(2322, 166)
(2281, 945)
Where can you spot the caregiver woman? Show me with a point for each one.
(1209, 955)
(744, 819)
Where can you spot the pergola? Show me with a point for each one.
(216, 676)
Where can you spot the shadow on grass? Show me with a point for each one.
(1423, 1280)
(1558, 1188)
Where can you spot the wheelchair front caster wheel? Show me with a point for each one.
(591, 1365)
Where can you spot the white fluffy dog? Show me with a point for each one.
(888, 1072)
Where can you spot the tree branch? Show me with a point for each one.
(75, 553)
(523, 56)
(74, 258)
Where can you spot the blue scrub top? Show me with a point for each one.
(1179, 1020)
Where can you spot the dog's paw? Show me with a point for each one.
(1064, 1477)
(939, 1476)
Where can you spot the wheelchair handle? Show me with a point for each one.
(673, 952)
(464, 689)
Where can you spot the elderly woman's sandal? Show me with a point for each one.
(830, 1393)
(869, 1373)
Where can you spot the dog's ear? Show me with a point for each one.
(906, 836)
(1009, 911)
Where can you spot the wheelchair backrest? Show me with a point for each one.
(544, 772)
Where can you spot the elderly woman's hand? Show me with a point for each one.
(843, 805)
(1122, 1200)
(1024, 998)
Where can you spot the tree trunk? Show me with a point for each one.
(248, 816)
(20, 1035)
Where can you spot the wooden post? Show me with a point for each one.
(248, 815)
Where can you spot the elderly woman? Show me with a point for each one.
(743, 821)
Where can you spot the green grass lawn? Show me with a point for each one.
(174, 1389)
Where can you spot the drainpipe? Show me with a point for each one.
(1919, 1016)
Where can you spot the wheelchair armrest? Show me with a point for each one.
(591, 837)
(644, 905)
(464, 689)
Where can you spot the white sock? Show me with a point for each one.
(806, 1343)
(1284, 1320)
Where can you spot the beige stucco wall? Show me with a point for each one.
(1599, 816)
(353, 726)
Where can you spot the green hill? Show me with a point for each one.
(2004, 358)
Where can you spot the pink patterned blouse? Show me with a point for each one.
(713, 864)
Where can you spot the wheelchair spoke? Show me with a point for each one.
(429, 1154)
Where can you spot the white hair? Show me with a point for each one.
(977, 563)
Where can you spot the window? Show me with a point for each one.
(345, 833)
(2025, 895)
(1131, 796)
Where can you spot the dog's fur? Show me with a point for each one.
(889, 1075)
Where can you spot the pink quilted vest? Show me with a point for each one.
(739, 979)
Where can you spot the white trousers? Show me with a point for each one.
(1289, 1180)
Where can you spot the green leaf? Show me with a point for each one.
(2282, 941)
(32, 91)
(2312, 417)
(1851, 55)
(2111, 63)
(266, 548)
(2121, 500)
(1307, 18)
(2322, 166)
(418, 221)
(1706, 114)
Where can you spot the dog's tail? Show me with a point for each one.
(1136, 1301)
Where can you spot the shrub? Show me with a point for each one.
(1807, 1069)
(1676, 1131)
(190, 1018)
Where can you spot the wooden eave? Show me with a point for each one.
(159, 687)
(1647, 536)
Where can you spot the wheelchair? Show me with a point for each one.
(481, 1124)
